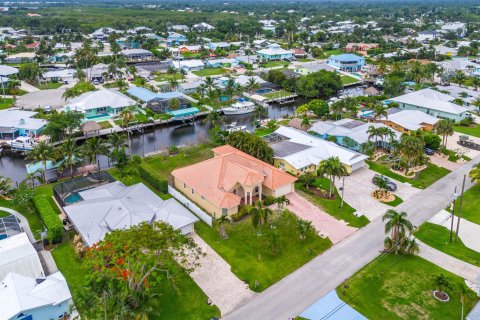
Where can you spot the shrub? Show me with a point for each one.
(153, 179)
(50, 219)
(466, 122)
(268, 200)
(244, 211)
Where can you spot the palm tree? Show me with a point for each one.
(6, 185)
(32, 177)
(252, 85)
(260, 111)
(337, 108)
(221, 224)
(260, 215)
(13, 86)
(373, 133)
(304, 227)
(116, 141)
(174, 104)
(71, 154)
(282, 201)
(231, 87)
(411, 149)
(379, 111)
(210, 85)
(92, 148)
(445, 129)
(43, 152)
(173, 83)
(397, 225)
(459, 77)
(214, 118)
(332, 168)
(127, 115)
(80, 75)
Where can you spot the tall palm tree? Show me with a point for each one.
(210, 85)
(92, 148)
(127, 115)
(332, 168)
(411, 149)
(445, 129)
(397, 225)
(13, 87)
(379, 111)
(214, 118)
(71, 154)
(373, 133)
(43, 152)
(116, 141)
(32, 177)
(260, 215)
(221, 224)
(252, 85)
(231, 87)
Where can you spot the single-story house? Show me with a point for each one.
(179, 27)
(409, 120)
(231, 178)
(308, 68)
(21, 57)
(354, 46)
(30, 298)
(188, 65)
(467, 95)
(61, 57)
(103, 102)
(114, 206)
(14, 123)
(202, 27)
(219, 63)
(189, 87)
(446, 51)
(299, 53)
(218, 45)
(137, 54)
(189, 49)
(347, 62)
(274, 52)
(464, 65)
(18, 255)
(59, 75)
(433, 103)
(175, 38)
(300, 152)
(159, 102)
(249, 59)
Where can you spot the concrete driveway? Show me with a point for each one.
(452, 144)
(358, 189)
(444, 162)
(324, 223)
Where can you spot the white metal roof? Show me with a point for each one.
(411, 119)
(14, 118)
(100, 98)
(431, 99)
(18, 255)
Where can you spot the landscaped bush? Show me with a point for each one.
(50, 219)
(268, 200)
(244, 211)
(153, 179)
(466, 122)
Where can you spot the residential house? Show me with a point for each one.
(467, 95)
(179, 27)
(137, 54)
(433, 103)
(18, 255)
(347, 62)
(299, 53)
(231, 178)
(298, 152)
(59, 75)
(427, 36)
(15, 123)
(218, 45)
(274, 52)
(359, 46)
(100, 103)
(175, 38)
(159, 102)
(188, 65)
(268, 25)
(461, 64)
(446, 51)
(458, 28)
(249, 59)
(114, 206)
(311, 67)
(221, 63)
(203, 27)
(62, 57)
(103, 33)
(21, 57)
(189, 49)
(409, 120)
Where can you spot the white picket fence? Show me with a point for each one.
(190, 205)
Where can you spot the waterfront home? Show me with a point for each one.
(18, 255)
(175, 38)
(298, 152)
(347, 62)
(160, 102)
(15, 123)
(231, 178)
(311, 67)
(274, 52)
(433, 103)
(188, 65)
(114, 206)
(409, 120)
(461, 64)
(21, 57)
(100, 104)
(221, 63)
(30, 298)
(137, 54)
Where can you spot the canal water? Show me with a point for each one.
(159, 138)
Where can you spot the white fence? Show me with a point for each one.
(190, 205)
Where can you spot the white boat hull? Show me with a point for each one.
(226, 111)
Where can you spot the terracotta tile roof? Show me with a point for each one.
(214, 178)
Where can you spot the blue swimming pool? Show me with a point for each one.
(72, 198)
(262, 91)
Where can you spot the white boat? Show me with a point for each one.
(232, 127)
(23, 143)
(240, 107)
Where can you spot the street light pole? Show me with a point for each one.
(454, 196)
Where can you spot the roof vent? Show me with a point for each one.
(22, 121)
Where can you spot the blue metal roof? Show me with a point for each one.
(347, 57)
(184, 112)
(332, 307)
(142, 94)
(170, 95)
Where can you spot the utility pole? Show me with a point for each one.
(343, 191)
(460, 207)
(454, 196)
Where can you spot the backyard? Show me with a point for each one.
(247, 249)
(346, 80)
(185, 301)
(209, 72)
(438, 237)
(400, 287)
(30, 213)
(332, 206)
(422, 179)
(277, 94)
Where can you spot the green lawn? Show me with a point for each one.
(422, 180)
(277, 94)
(470, 205)
(187, 301)
(263, 131)
(273, 64)
(348, 80)
(333, 52)
(209, 72)
(4, 214)
(399, 287)
(332, 206)
(394, 203)
(248, 252)
(438, 237)
(30, 213)
(105, 124)
(305, 60)
(473, 130)
(167, 77)
(6, 103)
(49, 85)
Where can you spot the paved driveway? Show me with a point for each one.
(358, 190)
(452, 144)
(324, 223)
(444, 162)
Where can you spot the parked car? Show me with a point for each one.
(429, 151)
(95, 82)
(391, 186)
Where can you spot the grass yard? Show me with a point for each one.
(49, 85)
(209, 72)
(263, 131)
(333, 52)
(4, 214)
(393, 203)
(274, 64)
(438, 237)
(473, 130)
(471, 205)
(348, 80)
(332, 206)
(305, 60)
(6, 103)
(400, 287)
(249, 255)
(105, 125)
(167, 77)
(277, 94)
(30, 213)
(187, 301)
(422, 180)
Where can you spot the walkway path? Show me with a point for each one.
(324, 223)
(461, 268)
(23, 222)
(215, 278)
(300, 289)
(444, 162)
(469, 232)
(28, 87)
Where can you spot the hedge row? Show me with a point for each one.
(153, 179)
(50, 219)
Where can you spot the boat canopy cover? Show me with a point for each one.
(184, 112)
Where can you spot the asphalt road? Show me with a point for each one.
(293, 294)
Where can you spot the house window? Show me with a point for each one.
(256, 190)
(184, 185)
(224, 212)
